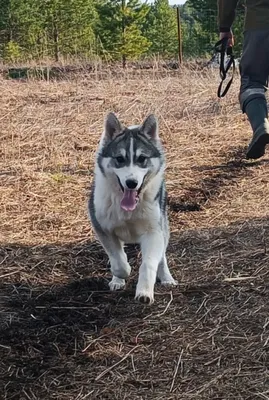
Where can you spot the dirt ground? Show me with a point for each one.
(63, 335)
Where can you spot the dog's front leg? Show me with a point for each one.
(119, 265)
(152, 247)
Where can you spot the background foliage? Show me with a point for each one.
(107, 29)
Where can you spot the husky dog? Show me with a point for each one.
(128, 202)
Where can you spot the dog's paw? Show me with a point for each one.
(169, 282)
(121, 270)
(116, 283)
(144, 297)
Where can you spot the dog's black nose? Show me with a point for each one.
(131, 183)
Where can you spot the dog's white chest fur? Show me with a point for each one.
(128, 226)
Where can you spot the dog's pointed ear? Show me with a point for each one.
(113, 127)
(150, 127)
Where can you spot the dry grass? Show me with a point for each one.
(63, 334)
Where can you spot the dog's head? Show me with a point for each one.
(130, 156)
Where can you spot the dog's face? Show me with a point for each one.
(132, 156)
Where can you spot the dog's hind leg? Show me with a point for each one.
(164, 274)
(119, 265)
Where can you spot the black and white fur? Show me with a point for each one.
(128, 202)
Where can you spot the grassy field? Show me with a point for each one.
(63, 335)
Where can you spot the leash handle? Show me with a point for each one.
(222, 47)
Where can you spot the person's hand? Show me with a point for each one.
(228, 35)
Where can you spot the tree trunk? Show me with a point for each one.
(56, 43)
(10, 28)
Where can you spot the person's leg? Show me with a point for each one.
(254, 70)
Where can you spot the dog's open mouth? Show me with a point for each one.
(130, 198)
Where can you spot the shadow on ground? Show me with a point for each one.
(217, 177)
(65, 336)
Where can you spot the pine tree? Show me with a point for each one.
(162, 28)
(192, 32)
(119, 28)
(68, 25)
(41, 28)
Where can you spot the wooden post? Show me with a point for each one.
(123, 31)
(179, 37)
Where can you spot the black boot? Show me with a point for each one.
(256, 111)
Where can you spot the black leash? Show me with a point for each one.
(222, 47)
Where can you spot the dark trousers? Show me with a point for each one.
(254, 66)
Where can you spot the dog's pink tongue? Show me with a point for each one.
(128, 202)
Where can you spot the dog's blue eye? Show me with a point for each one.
(141, 159)
(120, 159)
